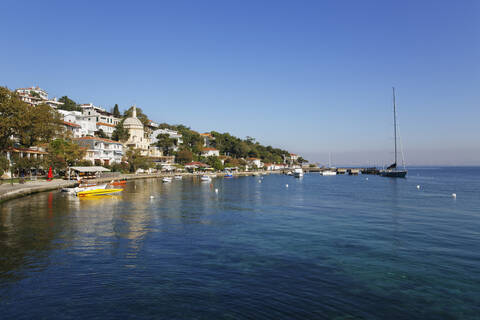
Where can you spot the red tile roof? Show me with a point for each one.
(105, 124)
(71, 124)
(209, 149)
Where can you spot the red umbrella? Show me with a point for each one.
(50, 174)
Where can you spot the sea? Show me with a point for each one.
(258, 247)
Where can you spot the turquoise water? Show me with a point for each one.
(342, 247)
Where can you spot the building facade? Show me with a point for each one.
(101, 151)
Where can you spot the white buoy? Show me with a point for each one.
(366, 179)
(259, 181)
(454, 195)
(151, 197)
(286, 185)
(216, 190)
(418, 186)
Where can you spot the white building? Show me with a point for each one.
(97, 114)
(209, 152)
(87, 128)
(101, 151)
(35, 96)
(207, 139)
(255, 162)
(171, 133)
(106, 128)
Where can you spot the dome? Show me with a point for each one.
(133, 123)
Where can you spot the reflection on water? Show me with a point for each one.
(325, 247)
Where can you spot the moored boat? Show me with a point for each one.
(393, 171)
(205, 178)
(298, 173)
(167, 179)
(97, 192)
(118, 183)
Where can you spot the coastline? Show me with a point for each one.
(9, 192)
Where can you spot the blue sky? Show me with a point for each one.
(313, 77)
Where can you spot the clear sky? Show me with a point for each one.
(313, 77)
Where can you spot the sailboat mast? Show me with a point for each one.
(395, 124)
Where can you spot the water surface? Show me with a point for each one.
(342, 247)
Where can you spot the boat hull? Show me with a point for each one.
(97, 192)
(393, 173)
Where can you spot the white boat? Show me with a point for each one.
(167, 179)
(298, 173)
(289, 173)
(178, 177)
(80, 189)
(329, 173)
(205, 178)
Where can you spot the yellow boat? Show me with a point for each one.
(97, 192)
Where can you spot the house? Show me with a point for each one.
(255, 162)
(32, 152)
(96, 114)
(101, 151)
(209, 152)
(74, 128)
(106, 128)
(207, 139)
(87, 128)
(35, 96)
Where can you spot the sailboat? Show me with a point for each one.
(392, 171)
(330, 171)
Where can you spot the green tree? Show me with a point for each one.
(116, 111)
(215, 163)
(140, 115)
(184, 156)
(120, 133)
(4, 164)
(136, 160)
(165, 143)
(64, 153)
(300, 160)
(69, 104)
(101, 134)
(12, 116)
(40, 125)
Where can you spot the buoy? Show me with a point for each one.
(286, 185)
(216, 190)
(454, 195)
(366, 178)
(259, 181)
(418, 186)
(151, 197)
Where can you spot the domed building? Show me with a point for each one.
(138, 138)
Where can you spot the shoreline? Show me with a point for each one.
(9, 192)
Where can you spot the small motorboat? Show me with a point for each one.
(228, 175)
(80, 188)
(167, 179)
(178, 177)
(205, 178)
(118, 183)
(298, 173)
(97, 192)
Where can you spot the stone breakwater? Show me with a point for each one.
(8, 191)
